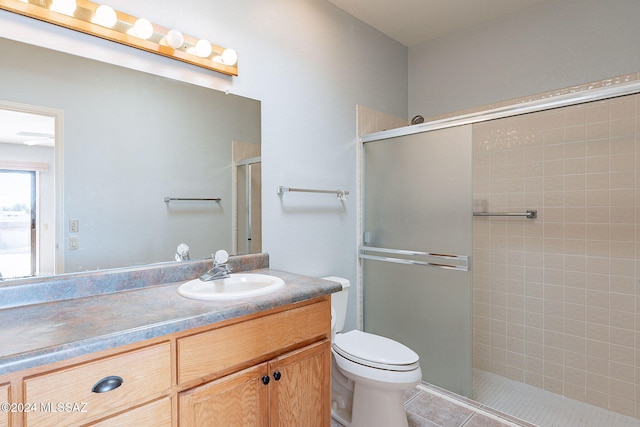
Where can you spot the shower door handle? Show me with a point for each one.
(429, 259)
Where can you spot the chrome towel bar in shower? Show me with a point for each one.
(530, 214)
(446, 261)
(339, 193)
(192, 199)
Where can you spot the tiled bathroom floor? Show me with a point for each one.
(429, 406)
(542, 407)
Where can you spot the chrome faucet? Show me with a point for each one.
(220, 268)
(182, 253)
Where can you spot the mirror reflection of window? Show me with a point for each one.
(17, 223)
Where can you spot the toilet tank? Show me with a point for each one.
(339, 302)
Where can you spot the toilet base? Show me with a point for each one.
(341, 415)
(341, 395)
(377, 408)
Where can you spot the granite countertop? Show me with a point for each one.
(43, 333)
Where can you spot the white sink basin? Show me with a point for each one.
(240, 285)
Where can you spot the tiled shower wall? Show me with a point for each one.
(556, 299)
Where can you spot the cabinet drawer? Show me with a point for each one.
(232, 347)
(4, 398)
(145, 372)
(156, 414)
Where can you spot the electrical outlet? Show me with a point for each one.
(74, 243)
(73, 226)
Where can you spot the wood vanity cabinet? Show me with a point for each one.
(270, 368)
(290, 388)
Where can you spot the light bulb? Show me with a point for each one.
(203, 48)
(67, 7)
(105, 16)
(143, 28)
(175, 39)
(229, 57)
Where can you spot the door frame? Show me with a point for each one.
(58, 116)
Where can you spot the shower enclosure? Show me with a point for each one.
(555, 298)
(417, 228)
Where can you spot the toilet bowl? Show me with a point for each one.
(369, 372)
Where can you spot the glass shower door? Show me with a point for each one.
(417, 243)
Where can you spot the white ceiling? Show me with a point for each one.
(412, 22)
(25, 128)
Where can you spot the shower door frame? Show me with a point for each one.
(535, 105)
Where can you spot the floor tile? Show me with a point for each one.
(439, 411)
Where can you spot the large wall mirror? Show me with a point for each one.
(116, 143)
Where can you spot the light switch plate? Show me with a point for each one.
(74, 243)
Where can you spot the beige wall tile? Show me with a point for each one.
(622, 354)
(622, 127)
(623, 406)
(597, 111)
(598, 147)
(623, 285)
(621, 303)
(567, 316)
(598, 398)
(596, 131)
(624, 144)
(575, 392)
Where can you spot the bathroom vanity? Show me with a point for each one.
(173, 361)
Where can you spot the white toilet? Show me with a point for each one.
(369, 373)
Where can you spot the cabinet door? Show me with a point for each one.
(4, 398)
(300, 389)
(239, 399)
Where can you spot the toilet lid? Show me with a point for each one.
(375, 351)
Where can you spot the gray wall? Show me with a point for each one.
(551, 45)
(309, 64)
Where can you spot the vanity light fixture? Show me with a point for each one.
(105, 22)
(105, 16)
(66, 7)
(229, 56)
(142, 28)
(175, 39)
(203, 48)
